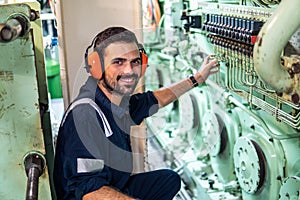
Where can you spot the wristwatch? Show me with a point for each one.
(192, 78)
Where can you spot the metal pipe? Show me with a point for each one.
(32, 183)
(262, 122)
(272, 39)
(34, 164)
(266, 128)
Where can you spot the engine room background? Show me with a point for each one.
(237, 135)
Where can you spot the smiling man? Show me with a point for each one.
(93, 158)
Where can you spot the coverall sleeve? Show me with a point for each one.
(142, 105)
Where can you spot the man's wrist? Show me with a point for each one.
(196, 79)
(199, 78)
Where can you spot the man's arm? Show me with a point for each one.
(107, 193)
(169, 94)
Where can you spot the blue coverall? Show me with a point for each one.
(86, 158)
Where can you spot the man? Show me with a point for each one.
(93, 158)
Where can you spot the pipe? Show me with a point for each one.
(230, 99)
(34, 164)
(261, 121)
(32, 183)
(272, 39)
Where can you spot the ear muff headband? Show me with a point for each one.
(93, 62)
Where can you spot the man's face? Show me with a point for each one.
(122, 67)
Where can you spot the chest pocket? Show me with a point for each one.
(107, 128)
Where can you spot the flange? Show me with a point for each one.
(249, 164)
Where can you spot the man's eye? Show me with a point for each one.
(136, 62)
(117, 62)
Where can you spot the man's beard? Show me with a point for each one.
(113, 86)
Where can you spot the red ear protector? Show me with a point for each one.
(94, 64)
(96, 68)
(144, 58)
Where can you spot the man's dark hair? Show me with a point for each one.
(111, 35)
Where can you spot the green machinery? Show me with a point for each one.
(25, 130)
(234, 137)
(238, 135)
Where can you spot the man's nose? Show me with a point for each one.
(127, 68)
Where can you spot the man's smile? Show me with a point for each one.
(127, 79)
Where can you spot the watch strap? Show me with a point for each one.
(192, 78)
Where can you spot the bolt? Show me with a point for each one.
(34, 15)
(279, 178)
(287, 195)
(295, 98)
(290, 71)
(203, 176)
(296, 67)
(279, 94)
(211, 183)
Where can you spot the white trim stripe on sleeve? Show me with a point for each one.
(85, 165)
